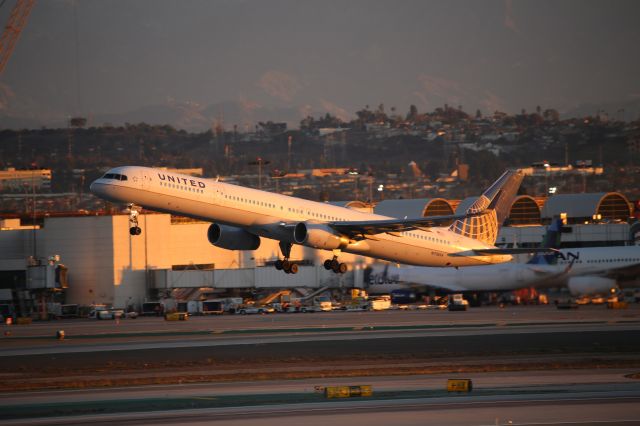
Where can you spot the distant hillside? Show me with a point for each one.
(194, 117)
(188, 116)
(618, 110)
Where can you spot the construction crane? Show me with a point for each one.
(12, 31)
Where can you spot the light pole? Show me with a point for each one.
(370, 188)
(33, 192)
(289, 140)
(259, 162)
(354, 173)
(33, 209)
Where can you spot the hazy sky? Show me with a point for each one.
(327, 54)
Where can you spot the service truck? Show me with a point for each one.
(153, 309)
(380, 303)
(457, 302)
(213, 307)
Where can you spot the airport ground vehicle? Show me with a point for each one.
(247, 310)
(380, 303)
(315, 304)
(7, 311)
(176, 316)
(70, 311)
(153, 309)
(403, 297)
(457, 302)
(111, 314)
(219, 306)
(323, 302)
(193, 307)
(213, 307)
(95, 309)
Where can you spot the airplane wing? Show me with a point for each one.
(624, 272)
(355, 229)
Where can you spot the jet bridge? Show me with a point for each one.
(309, 276)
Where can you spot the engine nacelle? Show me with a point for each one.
(232, 238)
(318, 235)
(588, 285)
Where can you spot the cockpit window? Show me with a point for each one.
(115, 176)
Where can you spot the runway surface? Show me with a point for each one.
(581, 405)
(529, 365)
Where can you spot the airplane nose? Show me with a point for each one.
(95, 188)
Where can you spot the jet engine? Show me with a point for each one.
(589, 285)
(232, 238)
(318, 236)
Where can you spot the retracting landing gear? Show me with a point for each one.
(286, 265)
(134, 229)
(334, 265)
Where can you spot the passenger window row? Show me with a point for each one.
(425, 237)
(613, 260)
(182, 187)
(246, 200)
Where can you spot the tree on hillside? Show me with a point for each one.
(412, 115)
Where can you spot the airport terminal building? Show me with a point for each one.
(93, 259)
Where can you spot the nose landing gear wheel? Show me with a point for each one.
(134, 229)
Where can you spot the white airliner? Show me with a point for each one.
(242, 215)
(584, 271)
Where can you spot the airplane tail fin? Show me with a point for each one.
(551, 240)
(490, 210)
(553, 236)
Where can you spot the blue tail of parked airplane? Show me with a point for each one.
(551, 240)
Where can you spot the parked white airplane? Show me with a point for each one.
(242, 215)
(584, 271)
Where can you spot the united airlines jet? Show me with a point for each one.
(242, 215)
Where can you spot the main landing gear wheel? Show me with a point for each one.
(292, 268)
(134, 229)
(286, 265)
(335, 266)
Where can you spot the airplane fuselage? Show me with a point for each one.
(272, 215)
(581, 269)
